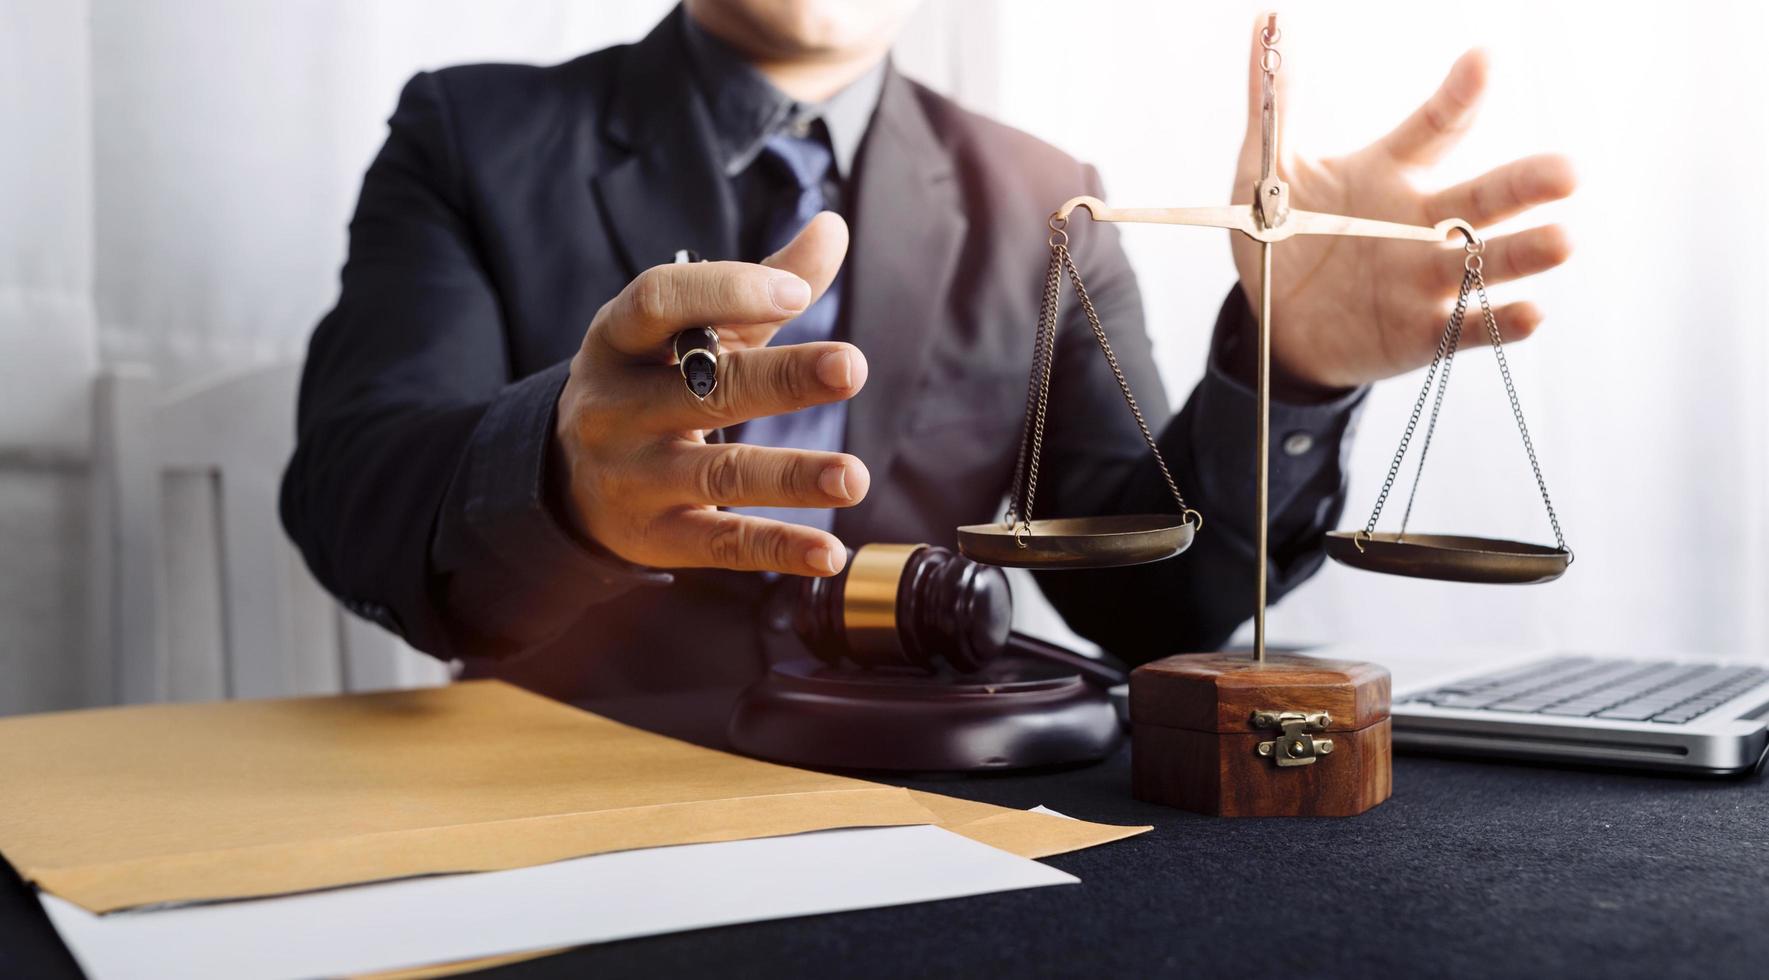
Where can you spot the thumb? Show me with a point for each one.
(815, 254)
(1257, 61)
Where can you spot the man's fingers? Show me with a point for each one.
(664, 299)
(1507, 191)
(1504, 258)
(702, 538)
(1517, 321)
(737, 475)
(752, 384)
(1437, 125)
(1525, 253)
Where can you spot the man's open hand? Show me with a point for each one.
(1348, 311)
(636, 472)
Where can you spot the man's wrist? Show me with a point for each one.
(1237, 355)
(516, 496)
(556, 496)
(560, 505)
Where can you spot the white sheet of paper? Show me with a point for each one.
(585, 900)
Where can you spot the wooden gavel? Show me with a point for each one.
(922, 606)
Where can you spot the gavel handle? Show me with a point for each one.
(1103, 673)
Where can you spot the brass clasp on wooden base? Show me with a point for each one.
(1296, 746)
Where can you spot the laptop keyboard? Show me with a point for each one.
(1591, 687)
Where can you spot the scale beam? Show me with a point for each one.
(1280, 224)
(1244, 219)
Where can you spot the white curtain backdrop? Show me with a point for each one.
(48, 340)
(176, 176)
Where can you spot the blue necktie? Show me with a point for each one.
(805, 161)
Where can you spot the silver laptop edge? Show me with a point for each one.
(1729, 739)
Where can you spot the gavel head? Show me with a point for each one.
(907, 605)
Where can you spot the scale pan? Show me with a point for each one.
(1449, 557)
(1079, 542)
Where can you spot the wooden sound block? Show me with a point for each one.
(1221, 734)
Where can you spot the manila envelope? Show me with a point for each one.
(116, 808)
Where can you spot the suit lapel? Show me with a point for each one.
(667, 193)
(907, 229)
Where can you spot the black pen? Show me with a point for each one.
(697, 356)
(697, 349)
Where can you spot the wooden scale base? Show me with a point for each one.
(1294, 736)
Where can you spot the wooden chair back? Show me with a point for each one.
(198, 592)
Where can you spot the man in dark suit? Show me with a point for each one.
(478, 472)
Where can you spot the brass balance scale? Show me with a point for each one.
(1022, 541)
(1225, 733)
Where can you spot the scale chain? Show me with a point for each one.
(1024, 490)
(1037, 395)
(1105, 346)
(1453, 333)
(1472, 281)
(1452, 329)
(1529, 446)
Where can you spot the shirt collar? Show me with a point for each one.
(747, 109)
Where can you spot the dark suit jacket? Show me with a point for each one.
(510, 202)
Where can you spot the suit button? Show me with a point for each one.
(1298, 444)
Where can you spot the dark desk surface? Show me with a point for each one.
(1472, 869)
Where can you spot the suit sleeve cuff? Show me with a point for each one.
(1309, 442)
(506, 502)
